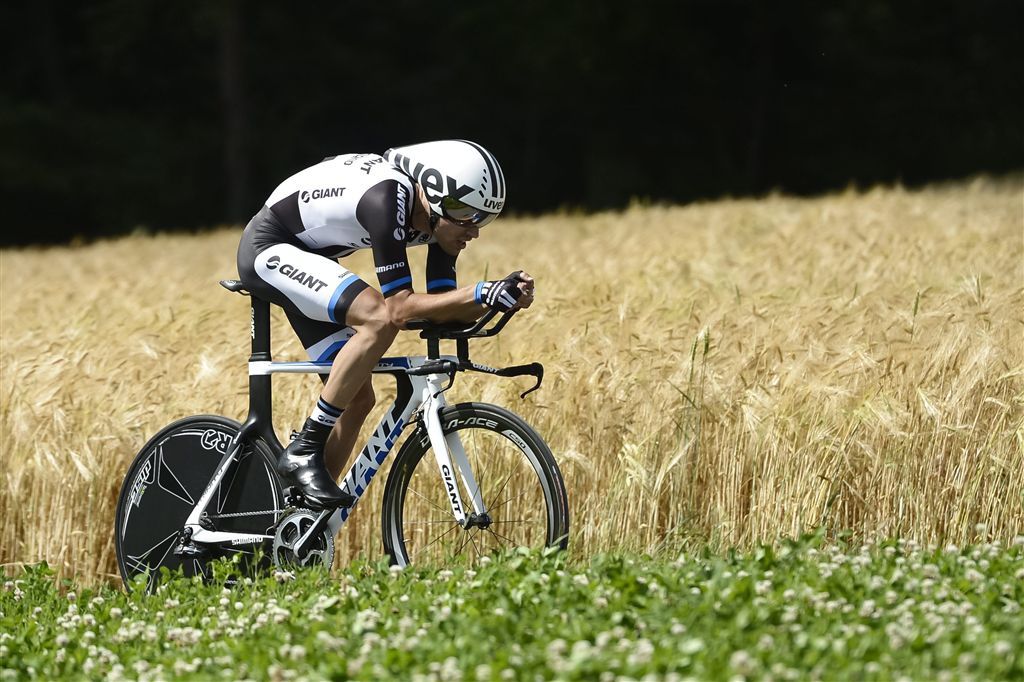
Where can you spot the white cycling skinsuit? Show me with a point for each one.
(289, 250)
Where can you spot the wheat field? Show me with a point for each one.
(719, 374)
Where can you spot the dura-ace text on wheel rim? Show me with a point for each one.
(167, 478)
(518, 480)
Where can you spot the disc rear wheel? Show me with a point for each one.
(163, 485)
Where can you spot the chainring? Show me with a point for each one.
(290, 530)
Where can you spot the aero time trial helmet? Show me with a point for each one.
(462, 181)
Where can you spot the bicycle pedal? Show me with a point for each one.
(294, 498)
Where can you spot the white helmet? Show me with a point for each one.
(462, 181)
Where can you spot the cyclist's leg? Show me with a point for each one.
(343, 437)
(322, 341)
(315, 291)
(354, 362)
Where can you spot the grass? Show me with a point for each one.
(804, 609)
(718, 375)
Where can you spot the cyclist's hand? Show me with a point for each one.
(527, 285)
(501, 295)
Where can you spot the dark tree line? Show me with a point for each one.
(171, 115)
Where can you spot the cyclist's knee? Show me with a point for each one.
(369, 316)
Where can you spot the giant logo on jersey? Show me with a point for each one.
(292, 272)
(435, 185)
(324, 193)
(403, 199)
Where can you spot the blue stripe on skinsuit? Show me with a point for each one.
(385, 288)
(342, 285)
(331, 350)
(438, 283)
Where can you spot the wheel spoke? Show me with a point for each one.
(511, 499)
(469, 537)
(454, 526)
(499, 535)
(502, 488)
(472, 540)
(431, 503)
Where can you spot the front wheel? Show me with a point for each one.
(519, 483)
(164, 483)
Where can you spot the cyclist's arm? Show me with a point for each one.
(457, 304)
(378, 211)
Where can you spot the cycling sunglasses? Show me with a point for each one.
(463, 214)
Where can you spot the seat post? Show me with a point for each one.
(259, 329)
(260, 396)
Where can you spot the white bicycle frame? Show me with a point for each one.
(426, 395)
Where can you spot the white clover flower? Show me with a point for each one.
(742, 662)
(642, 653)
(116, 613)
(581, 579)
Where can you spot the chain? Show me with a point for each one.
(251, 513)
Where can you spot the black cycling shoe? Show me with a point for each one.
(302, 465)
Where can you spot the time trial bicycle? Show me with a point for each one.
(206, 486)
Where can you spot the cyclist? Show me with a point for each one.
(439, 194)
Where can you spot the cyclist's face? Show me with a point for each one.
(454, 237)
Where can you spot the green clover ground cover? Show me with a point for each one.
(802, 611)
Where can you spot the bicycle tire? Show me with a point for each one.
(508, 458)
(168, 475)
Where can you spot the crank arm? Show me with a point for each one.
(304, 543)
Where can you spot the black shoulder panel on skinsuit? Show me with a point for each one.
(382, 211)
(287, 211)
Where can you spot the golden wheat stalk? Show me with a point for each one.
(725, 373)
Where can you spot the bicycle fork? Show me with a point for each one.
(448, 450)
